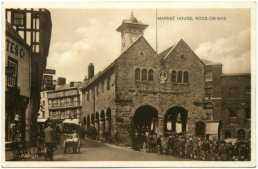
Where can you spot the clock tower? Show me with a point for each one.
(131, 29)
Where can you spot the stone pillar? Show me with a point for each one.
(97, 125)
(102, 127)
(184, 123)
(92, 123)
(161, 125)
(155, 125)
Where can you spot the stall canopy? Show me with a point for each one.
(212, 127)
(41, 120)
(231, 140)
(71, 121)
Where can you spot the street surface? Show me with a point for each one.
(96, 151)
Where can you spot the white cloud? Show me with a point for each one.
(93, 45)
(233, 52)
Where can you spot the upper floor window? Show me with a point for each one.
(97, 90)
(186, 77)
(233, 91)
(173, 76)
(61, 102)
(11, 73)
(232, 113)
(108, 83)
(102, 86)
(137, 74)
(208, 92)
(151, 75)
(144, 74)
(208, 76)
(88, 95)
(71, 101)
(179, 77)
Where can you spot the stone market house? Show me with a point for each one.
(145, 92)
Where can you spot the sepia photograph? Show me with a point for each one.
(128, 84)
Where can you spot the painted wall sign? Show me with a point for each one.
(15, 48)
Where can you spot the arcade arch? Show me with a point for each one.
(108, 122)
(175, 120)
(145, 120)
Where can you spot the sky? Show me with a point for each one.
(83, 36)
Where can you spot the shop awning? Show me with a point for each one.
(41, 120)
(72, 121)
(231, 140)
(76, 121)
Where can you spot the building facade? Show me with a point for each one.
(34, 26)
(145, 92)
(17, 85)
(236, 105)
(64, 102)
(43, 114)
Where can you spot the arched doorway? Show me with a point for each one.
(227, 134)
(92, 119)
(241, 134)
(102, 123)
(145, 120)
(176, 120)
(97, 122)
(108, 122)
(84, 120)
(200, 128)
(88, 122)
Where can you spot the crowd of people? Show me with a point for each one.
(193, 147)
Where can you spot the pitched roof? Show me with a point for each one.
(88, 82)
(98, 75)
(165, 52)
(208, 62)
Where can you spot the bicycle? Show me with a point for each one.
(17, 150)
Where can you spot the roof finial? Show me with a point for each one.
(132, 14)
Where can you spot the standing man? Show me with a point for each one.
(49, 135)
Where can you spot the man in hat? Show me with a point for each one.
(49, 137)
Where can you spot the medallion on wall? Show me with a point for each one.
(163, 76)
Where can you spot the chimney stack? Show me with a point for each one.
(90, 70)
(61, 81)
(71, 84)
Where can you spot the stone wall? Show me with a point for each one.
(101, 102)
(133, 94)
